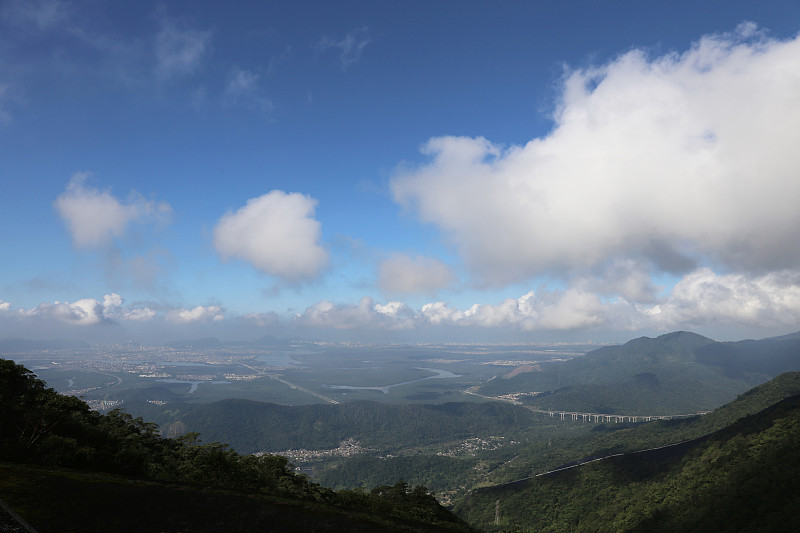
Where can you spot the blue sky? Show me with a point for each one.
(414, 171)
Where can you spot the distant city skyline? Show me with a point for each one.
(414, 172)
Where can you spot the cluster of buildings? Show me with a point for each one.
(475, 444)
(347, 448)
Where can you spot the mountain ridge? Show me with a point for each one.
(740, 477)
(678, 372)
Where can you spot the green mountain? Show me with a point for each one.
(250, 426)
(65, 468)
(742, 477)
(676, 373)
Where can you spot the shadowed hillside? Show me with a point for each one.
(66, 468)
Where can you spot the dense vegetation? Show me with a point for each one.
(675, 373)
(446, 447)
(736, 467)
(744, 477)
(258, 426)
(42, 427)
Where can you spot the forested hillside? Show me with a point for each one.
(743, 477)
(675, 373)
(61, 459)
(42, 427)
(257, 426)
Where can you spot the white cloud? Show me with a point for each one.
(85, 311)
(243, 90)
(5, 116)
(262, 320)
(403, 274)
(211, 313)
(95, 217)
(366, 314)
(112, 301)
(701, 298)
(670, 162)
(573, 309)
(139, 314)
(564, 310)
(349, 47)
(179, 50)
(276, 233)
(328, 314)
(704, 297)
(393, 309)
(113, 308)
(44, 14)
(623, 277)
(438, 313)
(242, 82)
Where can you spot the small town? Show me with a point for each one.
(347, 448)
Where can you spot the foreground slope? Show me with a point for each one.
(66, 468)
(54, 500)
(744, 477)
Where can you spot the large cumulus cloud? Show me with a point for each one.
(277, 233)
(705, 298)
(673, 162)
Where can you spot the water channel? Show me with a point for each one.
(440, 374)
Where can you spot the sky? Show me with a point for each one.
(448, 171)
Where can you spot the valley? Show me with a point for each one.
(283, 372)
(474, 425)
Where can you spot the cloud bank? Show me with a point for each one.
(277, 234)
(670, 162)
(82, 312)
(701, 298)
